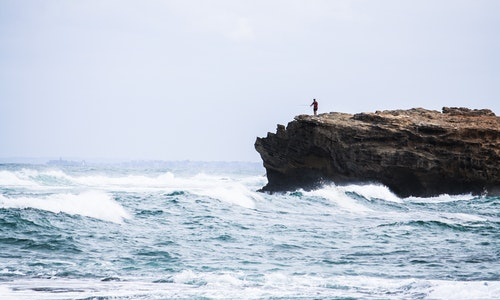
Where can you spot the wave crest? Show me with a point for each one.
(94, 204)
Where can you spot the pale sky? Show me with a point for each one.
(200, 80)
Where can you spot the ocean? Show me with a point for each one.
(196, 230)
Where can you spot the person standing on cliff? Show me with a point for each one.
(315, 106)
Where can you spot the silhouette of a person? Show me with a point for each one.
(315, 106)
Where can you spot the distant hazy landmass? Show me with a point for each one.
(62, 162)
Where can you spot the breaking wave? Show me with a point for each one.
(156, 234)
(92, 204)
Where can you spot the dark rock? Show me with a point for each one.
(414, 152)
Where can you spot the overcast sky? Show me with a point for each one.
(200, 80)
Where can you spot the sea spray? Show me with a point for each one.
(92, 204)
(113, 232)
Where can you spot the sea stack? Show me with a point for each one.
(415, 152)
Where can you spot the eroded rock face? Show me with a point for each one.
(414, 152)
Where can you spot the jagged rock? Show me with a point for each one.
(415, 152)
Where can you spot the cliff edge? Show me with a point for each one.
(415, 152)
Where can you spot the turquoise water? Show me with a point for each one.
(201, 231)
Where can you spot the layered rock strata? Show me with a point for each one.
(415, 152)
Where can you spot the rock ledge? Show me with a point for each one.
(415, 152)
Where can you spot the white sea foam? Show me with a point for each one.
(372, 191)
(464, 290)
(441, 198)
(16, 179)
(223, 189)
(233, 191)
(235, 285)
(338, 196)
(35, 179)
(255, 265)
(93, 204)
(126, 183)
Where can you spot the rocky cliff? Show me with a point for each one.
(414, 152)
